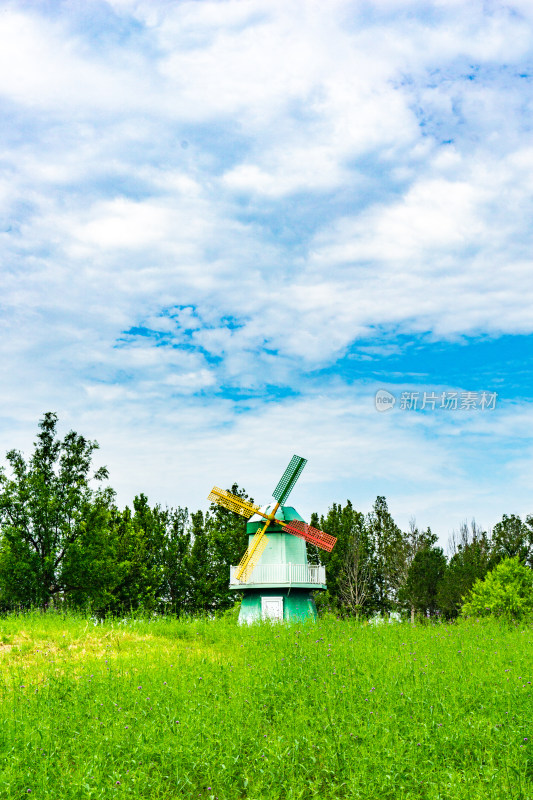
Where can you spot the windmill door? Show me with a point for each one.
(272, 608)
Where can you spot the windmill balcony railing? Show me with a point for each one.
(282, 575)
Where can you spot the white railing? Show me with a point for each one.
(282, 575)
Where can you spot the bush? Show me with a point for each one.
(506, 591)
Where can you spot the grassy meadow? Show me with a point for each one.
(166, 709)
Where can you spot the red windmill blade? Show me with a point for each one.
(310, 534)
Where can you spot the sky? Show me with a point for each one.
(233, 231)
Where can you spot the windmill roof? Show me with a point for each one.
(286, 513)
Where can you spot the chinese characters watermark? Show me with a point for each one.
(432, 401)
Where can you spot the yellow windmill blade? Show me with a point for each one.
(252, 555)
(254, 558)
(234, 503)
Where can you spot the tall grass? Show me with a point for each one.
(162, 708)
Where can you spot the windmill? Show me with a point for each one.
(286, 568)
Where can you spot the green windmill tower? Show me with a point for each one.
(274, 574)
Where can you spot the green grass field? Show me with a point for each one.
(204, 709)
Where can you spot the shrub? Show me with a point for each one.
(506, 591)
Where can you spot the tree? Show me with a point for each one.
(162, 539)
(175, 560)
(512, 537)
(51, 517)
(139, 578)
(355, 582)
(506, 591)
(470, 560)
(91, 570)
(313, 552)
(414, 541)
(227, 542)
(528, 522)
(200, 573)
(349, 565)
(150, 556)
(424, 574)
(389, 553)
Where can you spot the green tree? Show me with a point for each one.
(200, 572)
(175, 557)
(414, 541)
(227, 542)
(512, 537)
(152, 547)
(313, 552)
(139, 577)
(349, 565)
(469, 562)
(45, 509)
(150, 525)
(528, 522)
(91, 570)
(506, 591)
(355, 580)
(425, 572)
(390, 551)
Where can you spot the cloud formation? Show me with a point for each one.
(232, 214)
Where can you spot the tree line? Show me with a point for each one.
(64, 542)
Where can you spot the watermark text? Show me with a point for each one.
(435, 401)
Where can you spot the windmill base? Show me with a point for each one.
(276, 605)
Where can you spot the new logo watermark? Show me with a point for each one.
(384, 400)
(435, 401)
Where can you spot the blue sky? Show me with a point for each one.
(226, 225)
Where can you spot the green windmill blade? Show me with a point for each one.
(289, 478)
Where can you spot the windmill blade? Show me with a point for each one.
(233, 503)
(310, 534)
(289, 478)
(254, 559)
(252, 555)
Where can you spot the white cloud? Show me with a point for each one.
(199, 198)
(426, 466)
(44, 66)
